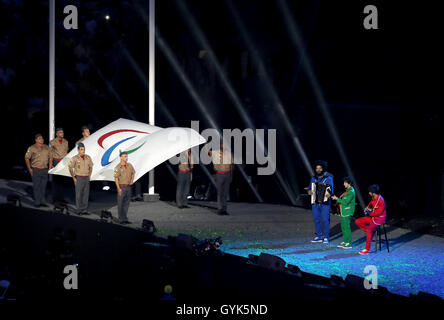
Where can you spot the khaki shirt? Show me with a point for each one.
(39, 156)
(124, 174)
(81, 167)
(59, 150)
(80, 140)
(185, 162)
(222, 161)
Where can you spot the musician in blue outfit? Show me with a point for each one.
(321, 190)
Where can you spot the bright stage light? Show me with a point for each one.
(107, 17)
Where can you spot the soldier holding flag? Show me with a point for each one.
(80, 168)
(223, 165)
(85, 134)
(124, 177)
(184, 178)
(59, 149)
(38, 158)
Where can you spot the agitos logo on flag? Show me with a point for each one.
(105, 158)
(147, 146)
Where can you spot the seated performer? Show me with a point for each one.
(375, 216)
(346, 204)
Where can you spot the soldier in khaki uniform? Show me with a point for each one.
(223, 165)
(59, 149)
(38, 158)
(81, 167)
(184, 178)
(124, 177)
(85, 134)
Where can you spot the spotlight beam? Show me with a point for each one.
(112, 90)
(203, 41)
(298, 65)
(202, 108)
(164, 109)
(183, 77)
(271, 91)
(297, 41)
(135, 66)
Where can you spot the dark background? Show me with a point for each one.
(382, 87)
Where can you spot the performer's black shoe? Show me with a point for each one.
(222, 213)
(125, 222)
(43, 205)
(85, 213)
(186, 207)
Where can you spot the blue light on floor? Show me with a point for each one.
(411, 266)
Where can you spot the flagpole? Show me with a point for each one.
(51, 68)
(151, 196)
(51, 73)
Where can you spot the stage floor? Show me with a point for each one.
(415, 262)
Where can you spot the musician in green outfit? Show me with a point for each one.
(346, 203)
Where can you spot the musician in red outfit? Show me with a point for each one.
(375, 216)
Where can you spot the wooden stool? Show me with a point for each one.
(379, 231)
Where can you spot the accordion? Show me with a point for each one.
(320, 191)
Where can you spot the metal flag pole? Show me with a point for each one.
(51, 73)
(151, 196)
(51, 68)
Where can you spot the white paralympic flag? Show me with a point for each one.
(147, 147)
